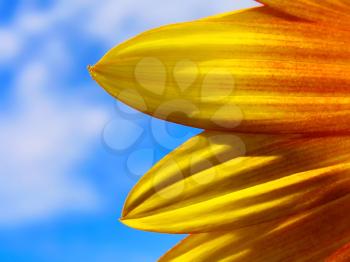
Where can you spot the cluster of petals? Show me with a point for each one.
(269, 177)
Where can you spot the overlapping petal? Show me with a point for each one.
(220, 181)
(251, 71)
(311, 236)
(335, 12)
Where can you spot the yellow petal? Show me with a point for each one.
(220, 181)
(334, 12)
(311, 237)
(250, 71)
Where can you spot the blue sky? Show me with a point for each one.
(70, 153)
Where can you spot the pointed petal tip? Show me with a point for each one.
(92, 71)
(128, 206)
(132, 223)
(124, 216)
(139, 223)
(129, 221)
(124, 213)
(127, 213)
(125, 221)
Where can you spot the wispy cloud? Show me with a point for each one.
(9, 46)
(46, 132)
(43, 139)
(109, 19)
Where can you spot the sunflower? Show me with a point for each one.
(269, 178)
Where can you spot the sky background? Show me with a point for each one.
(69, 153)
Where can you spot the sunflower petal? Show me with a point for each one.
(311, 237)
(251, 71)
(219, 181)
(328, 11)
(341, 255)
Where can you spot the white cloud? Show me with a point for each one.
(10, 45)
(110, 18)
(108, 21)
(43, 139)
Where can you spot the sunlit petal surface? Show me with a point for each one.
(326, 11)
(341, 255)
(311, 237)
(219, 181)
(258, 70)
